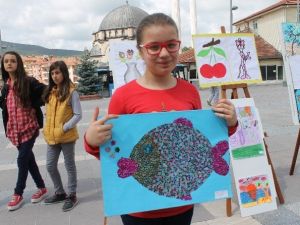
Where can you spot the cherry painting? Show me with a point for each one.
(214, 68)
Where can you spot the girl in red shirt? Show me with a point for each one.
(157, 90)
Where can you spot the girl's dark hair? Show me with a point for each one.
(21, 84)
(153, 19)
(64, 90)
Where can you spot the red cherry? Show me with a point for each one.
(219, 70)
(206, 71)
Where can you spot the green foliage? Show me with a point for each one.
(204, 52)
(220, 52)
(89, 82)
(184, 49)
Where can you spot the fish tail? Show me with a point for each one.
(127, 167)
(220, 148)
(220, 166)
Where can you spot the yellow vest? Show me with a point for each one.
(57, 114)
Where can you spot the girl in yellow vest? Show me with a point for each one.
(63, 112)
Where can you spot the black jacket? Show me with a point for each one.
(36, 91)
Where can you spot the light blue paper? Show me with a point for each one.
(127, 195)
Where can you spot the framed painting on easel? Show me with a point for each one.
(226, 59)
(291, 57)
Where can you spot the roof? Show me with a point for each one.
(264, 51)
(187, 56)
(275, 6)
(122, 17)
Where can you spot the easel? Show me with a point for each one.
(295, 154)
(234, 95)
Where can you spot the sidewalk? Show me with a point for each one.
(273, 104)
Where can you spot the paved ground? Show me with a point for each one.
(273, 104)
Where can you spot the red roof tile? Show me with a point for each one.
(187, 56)
(265, 50)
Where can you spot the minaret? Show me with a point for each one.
(193, 16)
(176, 15)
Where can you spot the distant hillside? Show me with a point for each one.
(24, 49)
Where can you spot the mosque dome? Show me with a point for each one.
(122, 17)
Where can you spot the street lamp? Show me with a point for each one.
(231, 14)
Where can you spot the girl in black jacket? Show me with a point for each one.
(20, 101)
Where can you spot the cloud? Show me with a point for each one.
(69, 24)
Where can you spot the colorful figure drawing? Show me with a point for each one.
(213, 69)
(174, 159)
(247, 141)
(254, 191)
(240, 45)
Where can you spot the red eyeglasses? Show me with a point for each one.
(154, 48)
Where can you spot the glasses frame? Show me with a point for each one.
(161, 45)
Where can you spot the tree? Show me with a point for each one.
(184, 49)
(89, 82)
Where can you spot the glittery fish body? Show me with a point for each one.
(174, 159)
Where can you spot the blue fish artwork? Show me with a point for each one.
(163, 160)
(174, 159)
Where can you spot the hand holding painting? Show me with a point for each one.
(98, 132)
(225, 109)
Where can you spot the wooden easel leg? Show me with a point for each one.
(228, 207)
(105, 220)
(295, 154)
(277, 186)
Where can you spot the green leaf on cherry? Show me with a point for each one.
(204, 52)
(220, 52)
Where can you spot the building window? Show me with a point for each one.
(280, 72)
(272, 72)
(193, 74)
(255, 25)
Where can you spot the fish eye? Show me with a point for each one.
(148, 148)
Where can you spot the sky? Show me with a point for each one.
(69, 24)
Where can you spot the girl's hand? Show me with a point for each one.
(98, 132)
(225, 109)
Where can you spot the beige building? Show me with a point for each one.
(38, 66)
(266, 24)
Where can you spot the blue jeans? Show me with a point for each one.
(26, 162)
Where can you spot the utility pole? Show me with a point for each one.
(231, 14)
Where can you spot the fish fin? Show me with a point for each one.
(184, 121)
(127, 167)
(220, 166)
(220, 149)
(186, 197)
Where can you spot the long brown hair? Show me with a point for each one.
(21, 84)
(64, 90)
